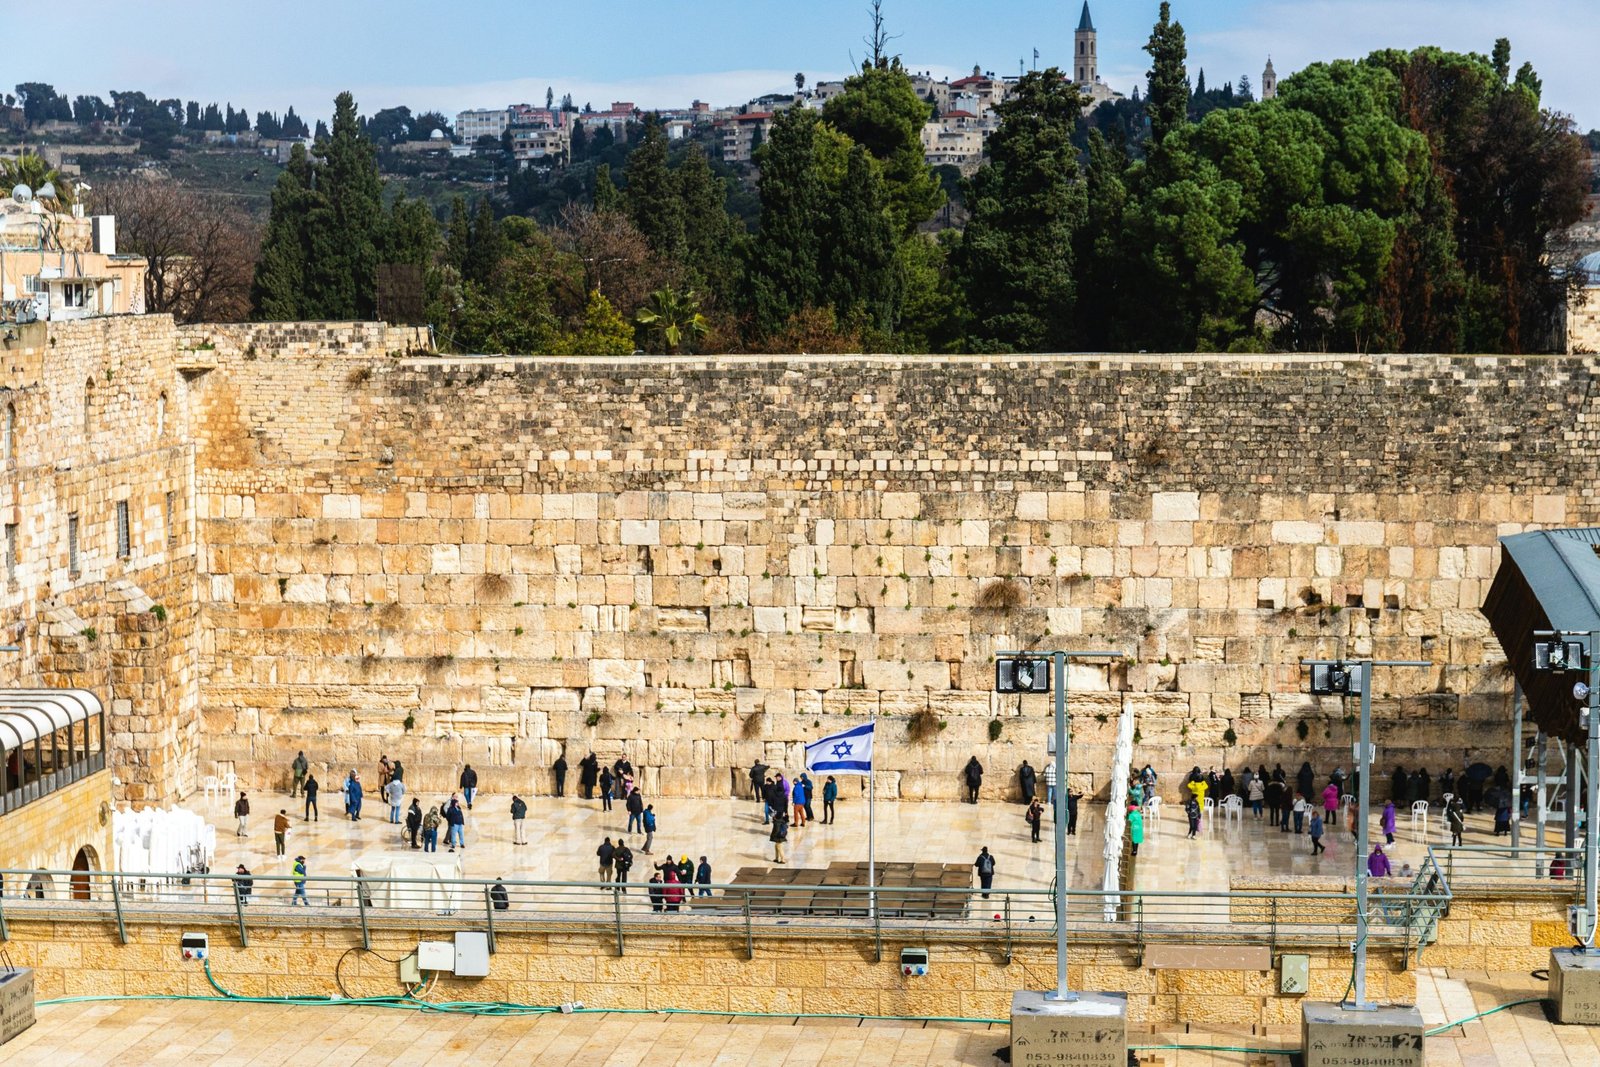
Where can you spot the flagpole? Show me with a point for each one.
(872, 824)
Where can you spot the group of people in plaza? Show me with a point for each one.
(786, 804)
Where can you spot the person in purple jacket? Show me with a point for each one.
(1378, 863)
(1388, 823)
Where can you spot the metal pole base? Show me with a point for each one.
(1090, 1031)
(1575, 985)
(1335, 1035)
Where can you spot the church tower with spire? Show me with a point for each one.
(1269, 81)
(1083, 59)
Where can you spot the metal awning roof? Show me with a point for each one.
(26, 714)
(1548, 580)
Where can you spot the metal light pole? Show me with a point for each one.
(1340, 680)
(1060, 660)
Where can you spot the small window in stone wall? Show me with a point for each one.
(161, 416)
(72, 546)
(124, 533)
(11, 553)
(88, 406)
(9, 441)
(172, 527)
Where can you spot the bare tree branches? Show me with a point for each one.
(202, 251)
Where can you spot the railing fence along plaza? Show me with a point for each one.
(1402, 913)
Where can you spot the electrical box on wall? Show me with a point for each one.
(472, 955)
(1294, 975)
(436, 956)
(410, 971)
(194, 946)
(913, 962)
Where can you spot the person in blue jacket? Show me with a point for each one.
(352, 797)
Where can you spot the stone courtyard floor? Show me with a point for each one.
(196, 1033)
(564, 833)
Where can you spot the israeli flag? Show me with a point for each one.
(849, 752)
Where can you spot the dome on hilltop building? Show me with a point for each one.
(1588, 269)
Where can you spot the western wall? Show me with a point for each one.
(705, 561)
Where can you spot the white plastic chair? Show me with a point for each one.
(1419, 818)
(211, 787)
(230, 783)
(1233, 808)
(1152, 807)
(1346, 801)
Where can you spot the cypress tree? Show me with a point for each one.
(345, 227)
(279, 289)
(1168, 101)
(652, 198)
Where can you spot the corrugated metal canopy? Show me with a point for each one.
(26, 714)
(1548, 580)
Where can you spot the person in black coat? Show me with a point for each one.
(1422, 785)
(1400, 788)
(1028, 779)
(414, 821)
(1305, 781)
(559, 768)
(606, 781)
(588, 775)
(974, 777)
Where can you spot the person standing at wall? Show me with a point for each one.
(1455, 816)
(800, 800)
(985, 865)
(312, 812)
(299, 769)
(430, 830)
(280, 829)
(559, 769)
(588, 775)
(1135, 827)
(830, 793)
(622, 861)
(1050, 784)
(519, 813)
(457, 821)
(1028, 781)
(605, 788)
(811, 796)
(635, 806)
(973, 773)
(469, 784)
(395, 793)
(1072, 810)
(352, 796)
(1035, 815)
(779, 835)
(414, 822)
(647, 819)
(241, 811)
(385, 772)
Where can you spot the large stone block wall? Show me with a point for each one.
(668, 971)
(99, 413)
(705, 562)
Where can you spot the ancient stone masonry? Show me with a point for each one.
(706, 562)
(310, 536)
(96, 495)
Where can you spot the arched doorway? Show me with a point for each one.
(40, 885)
(85, 860)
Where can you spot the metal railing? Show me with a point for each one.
(999, 920)
(1502, 866)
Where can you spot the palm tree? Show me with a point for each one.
(31, 170)
(672, 319)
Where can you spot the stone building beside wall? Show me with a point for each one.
(362, 549)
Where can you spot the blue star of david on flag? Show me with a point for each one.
(847, 752)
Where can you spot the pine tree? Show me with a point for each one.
(458, 236)
(487, 247)
(784, 268)
(711, 236)
(346, 225)
(858, 250)
(1167, 103)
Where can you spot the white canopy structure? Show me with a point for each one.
(50, 739)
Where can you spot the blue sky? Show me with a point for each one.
(450, 55)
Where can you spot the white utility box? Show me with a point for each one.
(472, 955)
